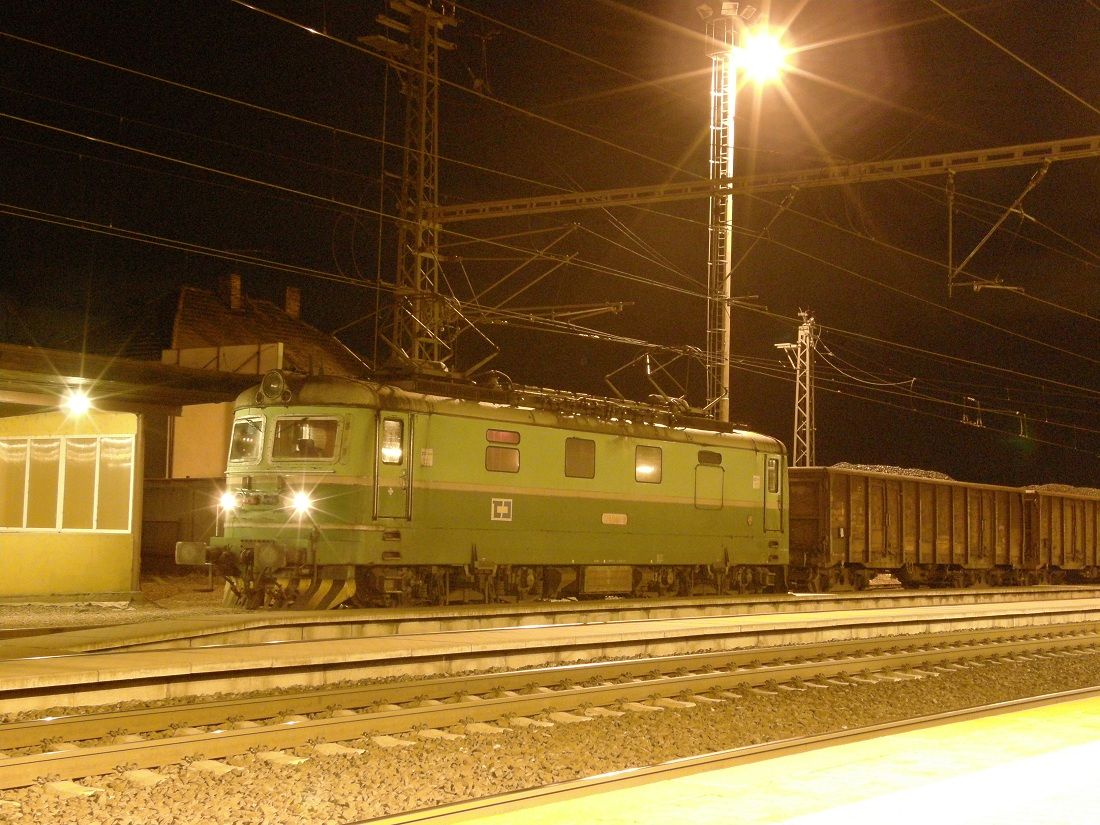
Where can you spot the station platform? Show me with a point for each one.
(1028, 767)
(33, 668)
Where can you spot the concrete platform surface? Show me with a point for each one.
(1032, 767)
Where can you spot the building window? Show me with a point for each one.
(647, 465)
(773, 474)
(66, 483)
(305, 438)
(43, 482)
(13, 481)
(502, 459)
(78, 505)
(502, 436)
(710, 457)
(580, 458)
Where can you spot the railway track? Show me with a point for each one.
(141, 740)
(252, 627)
(156, 675)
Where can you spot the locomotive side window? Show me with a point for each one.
(502, 436)
(247, 440)
(580, 458)
(502, 459)
(305, 438)
(773, 474)
(647, 465)
(710, 457)
(393, 440)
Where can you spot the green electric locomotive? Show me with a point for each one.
(348, 491)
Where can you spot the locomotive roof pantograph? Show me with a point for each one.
(513, 403)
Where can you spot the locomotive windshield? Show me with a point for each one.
(305, 438)
(247, 441)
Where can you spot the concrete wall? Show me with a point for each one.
(70, 506)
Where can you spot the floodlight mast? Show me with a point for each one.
(762, 57)
(721, 37)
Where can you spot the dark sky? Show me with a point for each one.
(233, 130)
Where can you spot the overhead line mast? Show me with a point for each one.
(417, 341)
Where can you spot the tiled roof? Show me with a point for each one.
(204, 319)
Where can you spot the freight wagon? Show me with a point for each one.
(849, 525)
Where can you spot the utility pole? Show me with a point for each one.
(417, 339)
(802, 444)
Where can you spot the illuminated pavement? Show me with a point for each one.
(1034, 767)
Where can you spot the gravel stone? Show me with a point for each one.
(394, 774)
(389, 780)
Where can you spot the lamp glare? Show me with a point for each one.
(762, 57)
(77, 402)
(302, 502)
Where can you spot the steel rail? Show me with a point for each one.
(84, 726)
(100, 678)
(74, 763)
(376, 622)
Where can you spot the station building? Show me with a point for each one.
(88, 496)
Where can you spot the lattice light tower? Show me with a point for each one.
(802, 444)
(418, 340)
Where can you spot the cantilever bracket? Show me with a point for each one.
(953, 272)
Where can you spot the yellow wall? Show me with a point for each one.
(200, 440)
(60, 565)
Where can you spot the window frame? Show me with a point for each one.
(382, 441)
(328, 459)
(772, 472)
(62, 492)
(658, 466)
(262, 427)
(496, 449)
(591, 459)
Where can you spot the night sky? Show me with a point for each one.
(231, 137)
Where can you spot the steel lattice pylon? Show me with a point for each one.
(418, 340)
(802, 452)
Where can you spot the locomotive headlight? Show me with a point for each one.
(301, 502)
(229, 501)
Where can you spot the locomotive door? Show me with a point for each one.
(773, 494)
(392, 466)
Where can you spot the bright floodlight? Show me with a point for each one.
(302, 502)
(77, 402)
(761, 56)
